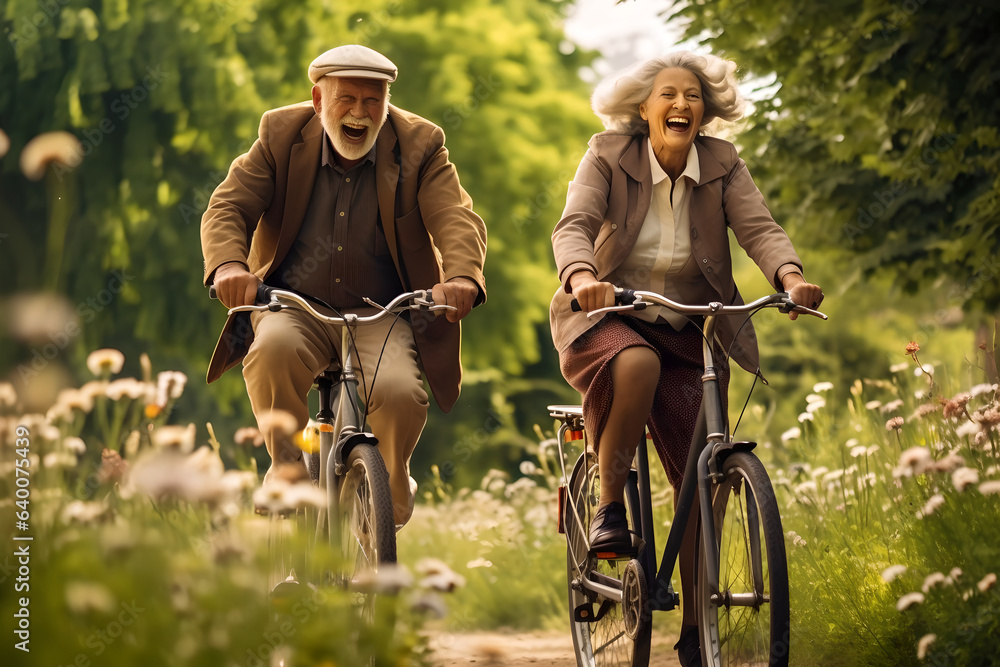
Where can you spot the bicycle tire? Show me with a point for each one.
(364, 531)
(748, 531)
(602, 643)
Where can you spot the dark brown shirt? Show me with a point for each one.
(341, 254)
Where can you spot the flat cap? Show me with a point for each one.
(352, 60)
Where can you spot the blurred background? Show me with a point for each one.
(873, 135)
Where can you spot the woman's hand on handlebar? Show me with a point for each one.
(802, 293)
(234, 285)
(590, 292)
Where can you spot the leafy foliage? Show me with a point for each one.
(878, 131)
(163, 97)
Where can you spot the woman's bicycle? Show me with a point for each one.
(358, 521)
(742, 584)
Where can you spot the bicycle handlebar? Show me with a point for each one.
(627, 299)
(270, 298)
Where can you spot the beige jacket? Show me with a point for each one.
(433, 234)
(607, 203)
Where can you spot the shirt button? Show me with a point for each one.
(339, 248)
(337, 280)
(348, 180)
(704, 261)
(341, 214)
(614, 226)
(708, 270)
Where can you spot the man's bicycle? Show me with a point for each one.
(358, 521)
(742, 584)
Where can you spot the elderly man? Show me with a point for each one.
(341, 198)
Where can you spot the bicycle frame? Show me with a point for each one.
(710, 444)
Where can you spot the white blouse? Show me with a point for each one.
(661, 257)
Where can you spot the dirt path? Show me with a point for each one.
(553, 649)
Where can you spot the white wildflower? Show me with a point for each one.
(180, 438)
(123, 387)
(479, 562)
(820, 387)
(806, 487)
(873, 405)
(75, 445)
(932, 580)
(955, 574)
(987, 582)
(103, 361)
(890, 573)
(931, 505)
(892, 406)
(815, 405)
(925, 369)
(967, 429)
(528, 468)
(990, 487)
(979, 389)
(278, 424)
(805, 417)
(914, 461)
(791, 434)
(924, 644)
(85, 597)
(909, 600)
(901, 366)
(860, 450)
(796, 539)
(963, 477)
(47, 148)
(815, 398)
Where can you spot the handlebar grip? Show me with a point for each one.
(263, 295)
(623, 297)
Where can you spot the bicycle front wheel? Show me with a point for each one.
(747, 622)
(619, 638)
(366, 531)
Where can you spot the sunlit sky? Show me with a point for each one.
(623, 33)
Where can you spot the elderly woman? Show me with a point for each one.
(648, 209)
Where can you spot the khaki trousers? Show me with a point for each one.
(290, 348)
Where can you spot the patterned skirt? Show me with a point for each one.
(586, 366)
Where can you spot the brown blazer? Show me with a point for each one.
(607, 203)
(433, 235)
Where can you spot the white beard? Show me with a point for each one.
(350, 151)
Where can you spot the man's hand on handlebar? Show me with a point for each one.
(590, 292)
(802, 293)
(460, 293)
(234, 285)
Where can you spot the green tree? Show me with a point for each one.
(163, 97)
(878, 132)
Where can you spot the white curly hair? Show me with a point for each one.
(616, 100)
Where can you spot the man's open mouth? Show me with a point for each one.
(353, 132)
(678, 124)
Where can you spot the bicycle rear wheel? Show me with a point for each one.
(611, 641)
(747, 623)
(364, 530)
